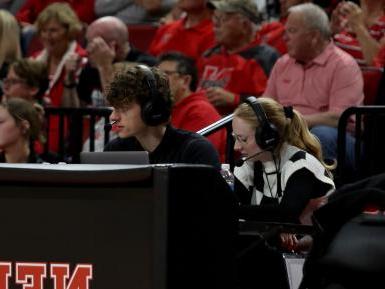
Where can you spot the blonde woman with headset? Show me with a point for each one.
(282, 168)
(280, 178)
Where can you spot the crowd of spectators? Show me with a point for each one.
(205, 60)
(233, 45)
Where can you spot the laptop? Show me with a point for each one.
(115, 157)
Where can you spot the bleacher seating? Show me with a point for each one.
(372, 77)
(369, 153)
(75, 125)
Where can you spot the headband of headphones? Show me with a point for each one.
(155, 109)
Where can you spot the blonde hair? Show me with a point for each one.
(63, 13)
(9, 38)
(293, 130)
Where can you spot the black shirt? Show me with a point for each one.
(177, 146)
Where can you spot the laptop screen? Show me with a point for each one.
(115, 157)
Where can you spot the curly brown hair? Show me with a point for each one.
(130, 85)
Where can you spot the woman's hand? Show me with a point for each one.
(289, 242)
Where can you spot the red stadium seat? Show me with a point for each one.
(372, 76)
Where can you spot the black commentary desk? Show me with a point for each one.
(115, 226)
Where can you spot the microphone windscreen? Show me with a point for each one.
(239, 162)
(108, 126)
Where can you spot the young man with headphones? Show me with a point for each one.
(141, 101)
(281, 178)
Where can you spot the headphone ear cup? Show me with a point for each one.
(155, 111)
(268, 137)
(146, 109)
(266, 134)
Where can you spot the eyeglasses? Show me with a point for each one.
(240, 138)
(13, 81)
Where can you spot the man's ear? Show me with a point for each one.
(186, 79)
(316, 36)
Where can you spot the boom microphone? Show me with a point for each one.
(108, 126)
(241, 161)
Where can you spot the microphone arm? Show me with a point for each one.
(241, 161)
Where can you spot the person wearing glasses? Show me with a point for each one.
(239, 62)
(27, 79)
(281, 178)
(20, 128)
(191, 110)
(287, 172)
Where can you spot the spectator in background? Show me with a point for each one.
(11, 5)
(58, 27)
(192, 34)
(283, 179)
(27, 79)
(238, 64)
(273, 32)
(316, 77)
(191, 111)
(360, 31)
(141, 101)
(134, 11)
(9, 41)
(20, 128)
(108, 43)
(31, 9)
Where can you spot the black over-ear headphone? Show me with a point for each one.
(266, 134)
(154, 109)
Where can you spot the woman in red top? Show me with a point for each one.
(58, 26)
